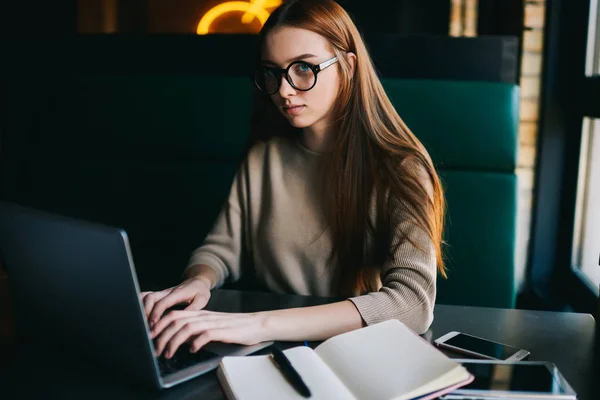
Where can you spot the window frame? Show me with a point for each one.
(567, 96)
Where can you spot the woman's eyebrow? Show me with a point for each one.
(300, 57)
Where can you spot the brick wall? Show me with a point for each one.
(531, 68)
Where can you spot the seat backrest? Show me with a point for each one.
(470, 128)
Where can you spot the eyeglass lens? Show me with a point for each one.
(300, 76)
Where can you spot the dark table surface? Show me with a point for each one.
(566, 339)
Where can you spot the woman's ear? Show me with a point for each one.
(351, 58)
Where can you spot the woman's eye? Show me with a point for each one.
(303, 68)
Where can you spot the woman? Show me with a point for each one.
(342, 200)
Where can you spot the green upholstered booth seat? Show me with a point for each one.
(463, 124)
(480, 235)
(155, 155)
(470, 129)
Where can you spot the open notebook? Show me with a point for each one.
(382, 361)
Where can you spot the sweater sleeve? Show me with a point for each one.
(408, 279)
(222, 247)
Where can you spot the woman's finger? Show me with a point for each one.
(186, 329)
(214, 335)
(168, 332)
(189, 328)
(198, 303)
(149, 299)
(168, 319)
(176, 296)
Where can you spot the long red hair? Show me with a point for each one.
(374, 153)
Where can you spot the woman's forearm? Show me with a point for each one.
(311, 323)
(202, 271)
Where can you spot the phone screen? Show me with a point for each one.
(481, 346)
(517, 378)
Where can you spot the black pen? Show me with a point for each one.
(288, 371)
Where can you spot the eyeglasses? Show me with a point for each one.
(300, 75)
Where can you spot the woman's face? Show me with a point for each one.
(303, 109)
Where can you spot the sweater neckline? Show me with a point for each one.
(298, 141)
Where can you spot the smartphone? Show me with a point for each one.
(480, 348)
(508, 380)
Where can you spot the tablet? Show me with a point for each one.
(523, 380)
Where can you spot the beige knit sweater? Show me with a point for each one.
(273, 216)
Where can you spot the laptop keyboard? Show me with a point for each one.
(183, 359)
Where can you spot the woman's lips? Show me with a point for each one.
(293, 110)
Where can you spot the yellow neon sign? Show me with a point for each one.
(252, 9)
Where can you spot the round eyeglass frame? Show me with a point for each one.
(285, 72)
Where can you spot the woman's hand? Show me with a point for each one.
(194, 291)
(295, 324)
(200, 327)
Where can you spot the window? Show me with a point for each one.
(586, 249)
(587, 234)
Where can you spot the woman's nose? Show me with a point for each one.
(285, 88)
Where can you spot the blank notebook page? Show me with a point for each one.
(256, 377)
(387, 361)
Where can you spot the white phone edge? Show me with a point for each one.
(447, 336)
(519, 355)
(440, 342)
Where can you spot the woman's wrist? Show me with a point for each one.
(309, 323)
(203, 273)
(204, 280)
(270, 325)
(285, 325)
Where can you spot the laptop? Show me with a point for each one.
(74, 286)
